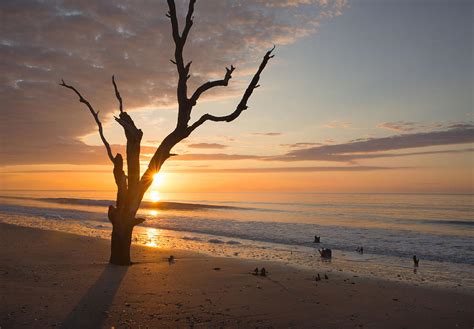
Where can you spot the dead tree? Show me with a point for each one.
(131, 187)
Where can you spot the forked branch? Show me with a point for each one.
(180, 39)
(131, 131)
(243, 102)
(211, 84)
(96, 118)
(134, 137)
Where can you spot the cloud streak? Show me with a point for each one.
(347, 152)
(408, 126)
(289, 169)
(207, 146)
(301, 145)
(80, 153)
(266, 134)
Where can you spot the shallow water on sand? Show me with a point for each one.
(439, 229)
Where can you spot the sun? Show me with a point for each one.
(154, 196)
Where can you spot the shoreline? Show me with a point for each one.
(55, 279)
(439, 275)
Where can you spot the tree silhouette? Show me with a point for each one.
(131, 187)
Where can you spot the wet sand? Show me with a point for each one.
(52, 279)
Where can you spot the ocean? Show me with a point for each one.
(437, 228)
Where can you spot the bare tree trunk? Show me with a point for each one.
(120, 246)
(131, 187)
(123, 223)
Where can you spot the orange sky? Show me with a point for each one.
(444, 177)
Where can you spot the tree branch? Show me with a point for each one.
(138, 220)
(122, 188)
(96, 118)
(189, 21)
(243, 102)
(211, 84)
(119, 174)
(134, 137)
(184, 110)
(174, 20)
(117, 94)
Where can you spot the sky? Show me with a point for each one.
(362, 95)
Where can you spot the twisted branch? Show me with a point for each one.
(117, 94)
(95, 115)
(243, 102)
(211, 84)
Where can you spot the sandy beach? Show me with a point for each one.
(51, 279)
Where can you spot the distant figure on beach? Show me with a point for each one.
(171, 259)
(317, 278)
(360, 250)
(317, 239)
(325, 252)
(263, 272)
(415, 260)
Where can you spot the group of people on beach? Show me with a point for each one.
(263, 271)
(327, 253)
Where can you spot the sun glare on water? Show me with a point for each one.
(152, 236)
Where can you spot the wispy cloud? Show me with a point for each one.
(337, 124)
(80, 153)
(207, 146)
(289, 169)
(364, 149)
(347, 152)
(408, 126)
(266, 134)
(216, 156)
(301, 145)
(348, 157)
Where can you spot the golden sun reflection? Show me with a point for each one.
(153, 212)
(152, 234)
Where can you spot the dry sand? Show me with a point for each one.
(51, 279)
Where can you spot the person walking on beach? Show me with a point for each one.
(415, 260)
